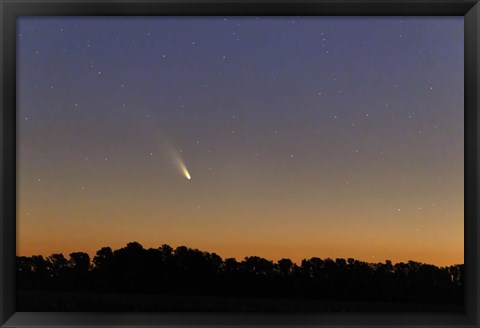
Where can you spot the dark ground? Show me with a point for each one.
(47, 301)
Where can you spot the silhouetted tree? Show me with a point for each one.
(79, 262)
(58, 265)
(285, 266)
(185, 270)
(103, 259)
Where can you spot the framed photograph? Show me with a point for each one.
(239, 163)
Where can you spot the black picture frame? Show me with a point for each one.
(9, 12)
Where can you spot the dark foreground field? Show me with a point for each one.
(96, 302)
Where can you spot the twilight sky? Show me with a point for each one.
(303, 136)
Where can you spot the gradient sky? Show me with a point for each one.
(303, 136)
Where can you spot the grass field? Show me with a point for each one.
(40, 301)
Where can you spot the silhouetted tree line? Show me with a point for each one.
(183, 270)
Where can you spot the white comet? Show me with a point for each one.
(185, 171)
(181, 166)
(179, 162)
